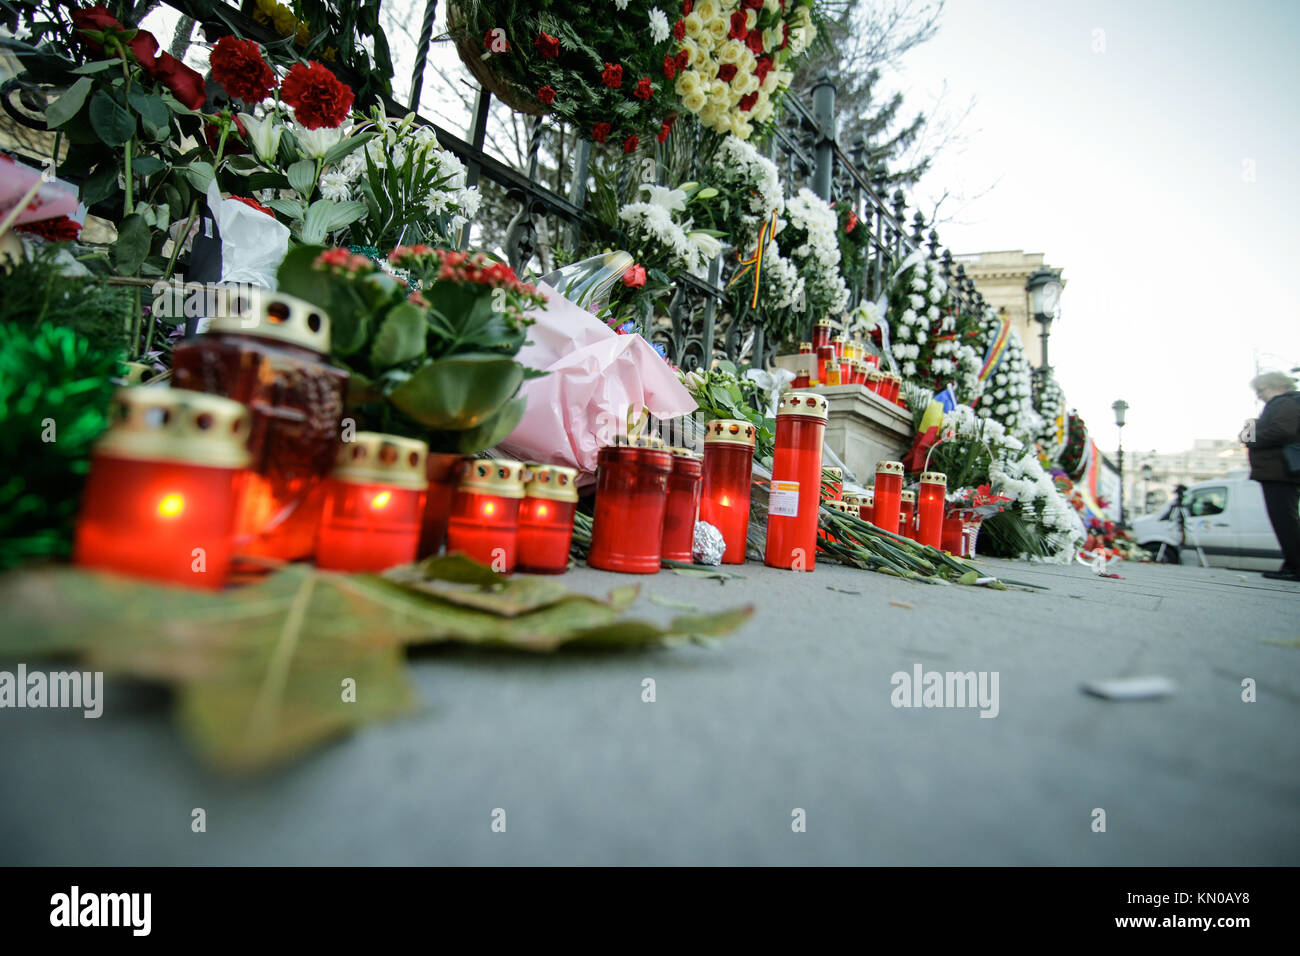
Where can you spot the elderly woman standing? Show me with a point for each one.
(1278, 425)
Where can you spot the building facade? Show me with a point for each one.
(1208, 458)
(1001, 277)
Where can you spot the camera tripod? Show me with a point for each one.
(1179, 514)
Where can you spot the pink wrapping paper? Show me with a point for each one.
(55, 198)
(597, 377)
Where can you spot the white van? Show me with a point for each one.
(1225, 517)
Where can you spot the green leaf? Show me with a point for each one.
(293, 208)
(100, 184)
(400, 337)
(147, 166)
(132, 245)
(151, 108)
(199, 173)
(345, 146)
(97, 67)
(69, 104)
(324, 217)
(302, 177)
(459, 392)
(111, 121)
(493, 431)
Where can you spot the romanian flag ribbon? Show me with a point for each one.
(765, 234)
(997, 349)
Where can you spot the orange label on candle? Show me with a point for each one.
(784, 499)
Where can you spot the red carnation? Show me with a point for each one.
(238, 66)
(546, 95)
(547, 45)
(739, 25)
(763, 67)
(612, 76)
(785, 34)
(630, 144)
(687, 7)
(747, 101)
(600, 131)
(683, 59)
(664, 130)
(727, 72)
(318, 99)
(644, 89)
(755, 41)
(852, 223)
(670, 66)
(61, 229)
(254, 203)
(634, 277)
(679, 30)
(494, 41)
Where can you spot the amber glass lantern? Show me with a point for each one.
(484, 521)
(728, 473)
(373, 504)
(907, 513)
(546, 518)
(930, 508)
(268, 350)
(631, 499)
(163, 496)
(795, 493)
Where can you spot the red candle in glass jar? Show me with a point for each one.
(166, 484)
(895, 386)
(954, 537)
(796, 482)
(860, 372)
(832, 484)
(874, 382)
(846, 373)
(724, 493)
(837, 343)
(907, 513)
(374, 504)
(888, 494)
(684, 486)
(930, 507)
(802, 379)
(825, 362)
(484, 521)
(269, 351)
(862, 506)
(805, 348)
(546, 518)
(843, 507)
(821, 335)
(631, 499)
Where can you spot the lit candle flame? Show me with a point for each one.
(169, 506)
(381, 500)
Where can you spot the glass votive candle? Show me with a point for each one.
(825, 362)
(374, 504)
(728, 472)
(930, 507)
(164, 493)
(907, 513)
(684, 483)
(821, 335)
(631, 498)
(888, 492)
(796, 481)
(832, 484)
(546, 518)
(954, 536)
(484, 521)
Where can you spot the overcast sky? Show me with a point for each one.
(1149, 149)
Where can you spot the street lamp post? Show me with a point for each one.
(1043, 293)
(1119, 408)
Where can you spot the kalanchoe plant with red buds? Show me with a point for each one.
(435, 363)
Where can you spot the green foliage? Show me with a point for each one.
(722, 393)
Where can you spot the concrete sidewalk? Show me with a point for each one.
(792, 712)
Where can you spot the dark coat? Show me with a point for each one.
(1278, 424)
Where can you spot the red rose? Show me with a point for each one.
(727, 72)
(547, 45)
(670, 66)
(687, 7)
(546, 95)
(630, 144)
(612, 76)
(236, 139)
(254, 203)
(664, 130)
(318, 99)
(238, 66)
(785, 34)
(747, 102)
(634, 277)
(644, 89)
(94, 18)
(61, 229)
(763, 67)
(679, 30)
(186, 84)
(755, 41)
(739, 25)
(752, 4)
(683, 59)
(600, 131)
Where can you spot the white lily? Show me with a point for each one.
(316, 143)
(263, 136)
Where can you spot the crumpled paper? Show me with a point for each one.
(707, 544)
(598, 383)
(253, 244)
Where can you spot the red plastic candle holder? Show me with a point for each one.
(832, 484)
(268, 350)
(837, 343)
(930, 508)
(631, 499)
(546, 518)
(888, 494)
(164, 494)
(796, 482)
(861, 506)
(805, 348)
(821, 335)
(875, 383)
(802, 379)
(484, 521)
(374, 504)
(825, 362)
(832, 376)
(954, 536)
(728, 472)
(907, 514)
(684, 489)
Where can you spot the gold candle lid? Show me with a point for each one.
(176, 425)
(502, 477)
(854, 499)
(137, 373)
(889, 467)
(555, 482)
(805, 372)
(837, 474)
(249, 310)
(373, 458)
(909, 496)
(677, 451)
(730, 431)
(934, 478)
(838, 338)
(805, 345)
(842, 506)
(824, 323)
(807, 404)
(875, 376)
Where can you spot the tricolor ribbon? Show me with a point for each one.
(766, 233)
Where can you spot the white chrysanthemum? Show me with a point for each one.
(659, 29)
(335, 186)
